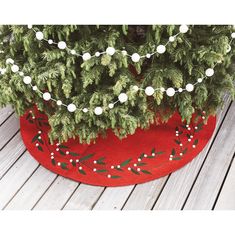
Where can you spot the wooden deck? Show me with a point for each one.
(208, 182)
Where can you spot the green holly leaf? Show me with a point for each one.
(115, 176)
(41, 141)
(73, 154)
(125, 162)
(134, 171)
(195, 142)
(53, 162)
(100, 161)
(35, 138)
(86, 157)
(64, 166)
(61, 152)
(176, 158)
(82, 172)
(141, 164)
(158, 153)
(146, 172)
(101, 170)
(177, 142)
(73, 163)
(184, 151)
(177, 128)
(153, 150)
(141, 156)
(118, 169)
(63, 146)
(173, 152)
(40, 148)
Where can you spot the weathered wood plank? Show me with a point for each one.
(226, 200)
(5, 113)
(10, 153)
(16, 177)
(180, 182)
(57, 195)
(84, 197)
(32, 190)
(209, 181)
(8, 129)
(144, 195)
(113, 198)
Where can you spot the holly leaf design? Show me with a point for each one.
(195, 142)
(125, 162)
(61, 152)
(53, 162)
(64, 166)
(86, 157)
(185, 150)
(82, 172)
(141, 164)
(40, 148)
(115, 176)
(73, 154)
(146, 172)
(100, 161)
(41, 141)
(135, 171)
(177, 142)
(101, 170)
(153, 150)
(73, 163)
(173, 152)
(63, 146)
(158, 153)
(118, 169)
(177, 128)
(141, 156)
(35, 138)
(176, 158)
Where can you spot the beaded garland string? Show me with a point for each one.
(135, 57)
(122, 98)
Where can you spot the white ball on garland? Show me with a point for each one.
(86, 56)
(170, 91)
(149, 91)
(171, 39)
(162, 89)
(71, 108)
(199, 80)
(183, 28)
(46, 96)
(161, 49)
(180, 89)
(148, 55)
(14, 68)
(39, 35)
(9, 61)
(73, 52)
(135, 88)
(111, 105)
(97, 54)
(110, 50)
(61, 45)
(124, 52)
(27, 79)
(85, 110)
(35, 88)
(21, 73)
(135, 57)
(233, 35)
(209, 72)
(98, 111)
(30, 26)
(228, 48)
(189, 87)
(59, 102)
(123, 97)
(50, 41)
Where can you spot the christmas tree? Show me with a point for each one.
(88, 79)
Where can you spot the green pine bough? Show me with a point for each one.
(99, 81)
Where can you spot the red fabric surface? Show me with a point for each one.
(139, 158)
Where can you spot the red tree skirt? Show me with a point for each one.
(144, 156)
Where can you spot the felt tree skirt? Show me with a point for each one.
(144, 156)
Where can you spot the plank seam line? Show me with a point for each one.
(17, 159)
(70, 196)
(222, 185)
(44, 192)
(6, 118)
(128, 197)
(93, 205)
(9, 140)
(20, 187)
(158, 196)
(207, 153)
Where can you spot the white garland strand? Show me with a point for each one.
(122, 98)
(135, 57)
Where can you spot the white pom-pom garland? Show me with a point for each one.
(61, 45)
(161, 49)
(170, 91)
(39, 35)
(71, 108)
(209, 72)
(189, 87)
(149, 91)
(27, 79)
(86, 56)
(46, 96)
(98, 111)
(110, 51)
(123, 97)
(14, 68)
(183, 28)
(135, 57)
